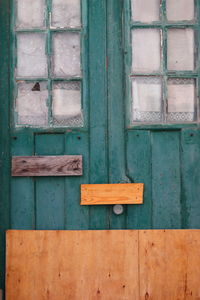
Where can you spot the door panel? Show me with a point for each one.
(4, 131)
(165, 159)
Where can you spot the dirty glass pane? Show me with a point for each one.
(145, 10)
(146, 50)
(66, 106)
(180, 50)
(66, 58)
(66, 13)
(31, 104)
(30, 13)
(180, 10)
(31, 56)
(181, 100)
(146, 99)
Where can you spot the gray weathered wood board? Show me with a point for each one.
(65, 165)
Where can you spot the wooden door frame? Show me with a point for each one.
(4, 130)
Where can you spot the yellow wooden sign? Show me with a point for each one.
(122, 193)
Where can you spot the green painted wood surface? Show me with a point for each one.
(50, 191)
(139, 168)
(99, 216)
(22, 189)
(166, 177)
(76, 216)
(4, 131)
(190, 167)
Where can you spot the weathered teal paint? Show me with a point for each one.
(164, 157)
(4, 131)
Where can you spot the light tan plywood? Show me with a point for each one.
(169, 264)
(74, 265)
(106, 265)
(122, 193)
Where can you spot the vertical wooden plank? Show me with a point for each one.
(116, 107)
(190, 145)
(4, 130)
(76, 216)
(50, 191)
(166, 179)
(139, 169)
(169, 264)
(22, 189)
(98, 106)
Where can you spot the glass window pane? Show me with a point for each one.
(181, 100)
(146, 99)
(31, 56)
(31, 104)
(66, 13)
(30, 13)
(180, 49)
(146, 50)
(145, 10)
(66, 51)
(66, 107)
(180, 10)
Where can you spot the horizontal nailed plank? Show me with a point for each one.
(65, 165)
(122, 193)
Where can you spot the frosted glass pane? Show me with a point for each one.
(31, 56)
(145, 10)
(31, 104)
(146, 99)
(30, 13)
(66, 49)
(180, 49)
(66, 13)
(181, 100)
(180, 10)
(146, 51)
(66, 107)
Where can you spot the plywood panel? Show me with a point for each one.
(107, 265)
(122, 193)
(169, 264)
(63, 165)
(75, 265)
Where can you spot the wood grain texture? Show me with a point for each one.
(122, 193)
(106, 265)
(63, 165)
(61, 265)
(169, 264)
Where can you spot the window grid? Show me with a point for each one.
(49, 31)
(164, 25)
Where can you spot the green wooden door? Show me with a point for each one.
(163, 155)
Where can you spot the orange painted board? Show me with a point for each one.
(72, 265)
(122, 193)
